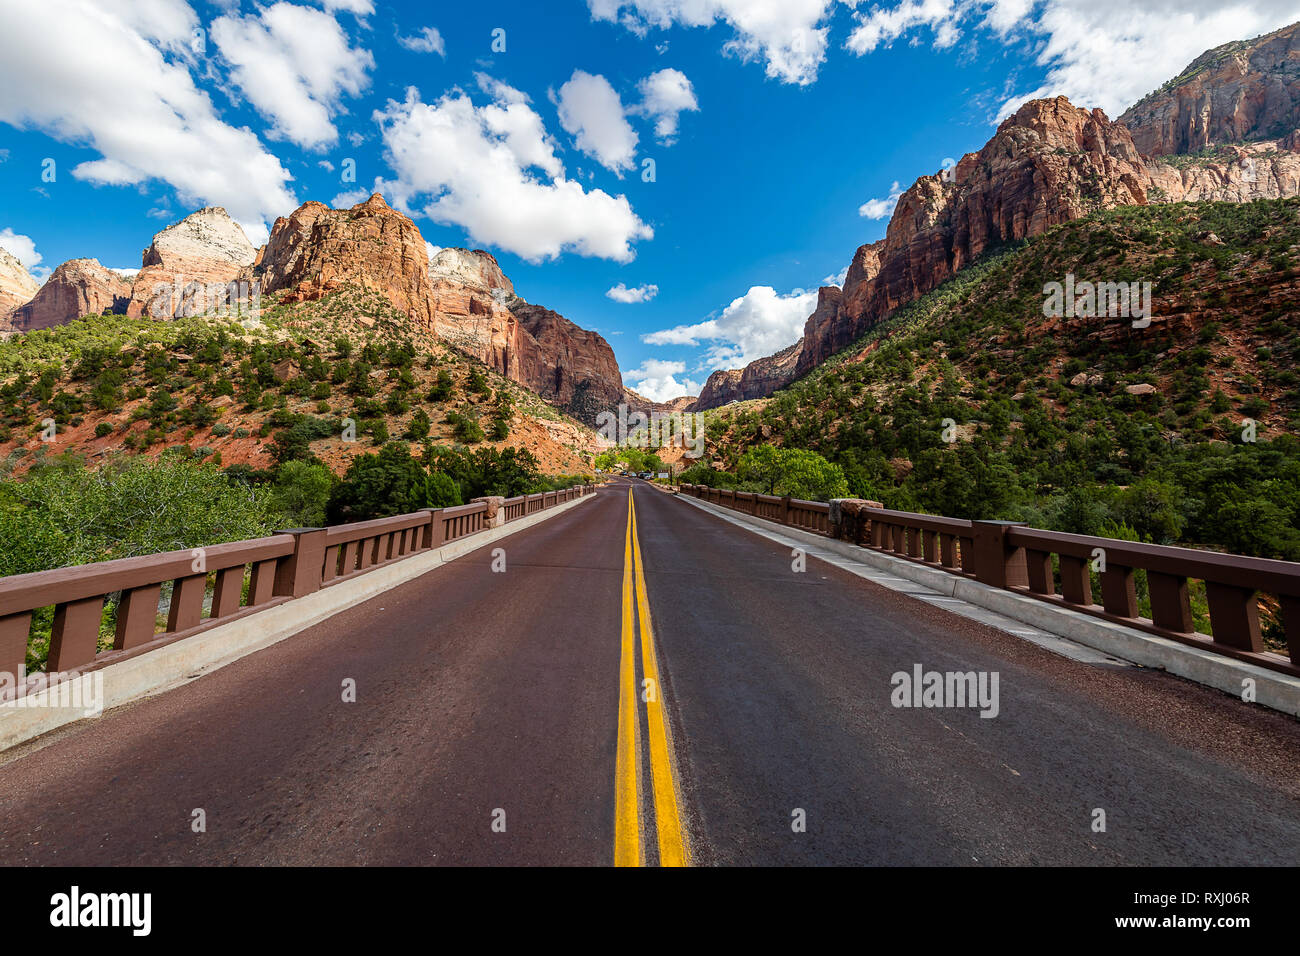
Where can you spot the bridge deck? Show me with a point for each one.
(479, 691)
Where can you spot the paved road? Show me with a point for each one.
(505, 718)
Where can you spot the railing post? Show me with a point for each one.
(433, 536)
(995, 559)
(74, 638)
(1171, 605)
(785, 509)
(1234, 616)
(14, 632)
(1119, 591)
(301, 571)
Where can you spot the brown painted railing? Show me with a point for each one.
(1058, 567)
(223, 580)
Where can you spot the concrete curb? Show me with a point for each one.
(1272, 689)
(190, 658)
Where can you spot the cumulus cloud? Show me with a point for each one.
(783, 33)
(1106, 53)
(492, 170)
(346, 200)
(23, 248)
(426, 40)
(657, 380)
(114, 76)
(665, 95)
(592, 113)
(640, 293)
(883, 25)
(881, 208)
(294, 64)
(758, 323)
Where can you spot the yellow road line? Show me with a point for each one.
(627, 763)
(673, 850)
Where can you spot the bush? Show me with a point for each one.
(302, 492)
(381, 485)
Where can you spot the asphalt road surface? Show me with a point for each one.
(656, 686)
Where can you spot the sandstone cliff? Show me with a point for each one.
(78, 287)
(16, 284)
(317, 250)
(185, 265)
(1244, 90)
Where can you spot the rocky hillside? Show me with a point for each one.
(460, 296)
(259, 392)
(1186, 430)
(1048, 164)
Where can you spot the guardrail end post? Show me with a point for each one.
(996, 562)
(301, 572)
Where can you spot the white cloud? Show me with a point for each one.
(23, 248)
(346, 200)
(657, 380)
(837, 280)
(881, 208)
(640, 293)
(884, 25)
(431, 249)
(358, 7)
(665, 95)
(492, 170)
(1099, 53)
(1110, 54)
(592, 113)
(427, 40)
(760, 322)
(294, 64)
(93, 73)
(784, 33)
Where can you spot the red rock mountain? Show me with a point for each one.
(462, 296)
(77, 287)
(16, 284)
(185, 266)
(1050, 163)
(1244, 90)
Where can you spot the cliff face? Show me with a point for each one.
(1245, 90)
(78, 287)
(568, 366)
(460, 295)
(186, 263)
(16, 284)
(470, 298)
(758, 379)
(1051, 163)
(317, 250)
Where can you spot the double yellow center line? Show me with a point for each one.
(628, 841)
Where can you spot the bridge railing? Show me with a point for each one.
(1154, 588)
(218, 583)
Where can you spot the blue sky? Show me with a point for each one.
(779, 130)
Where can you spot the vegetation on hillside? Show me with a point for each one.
(970, 402)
